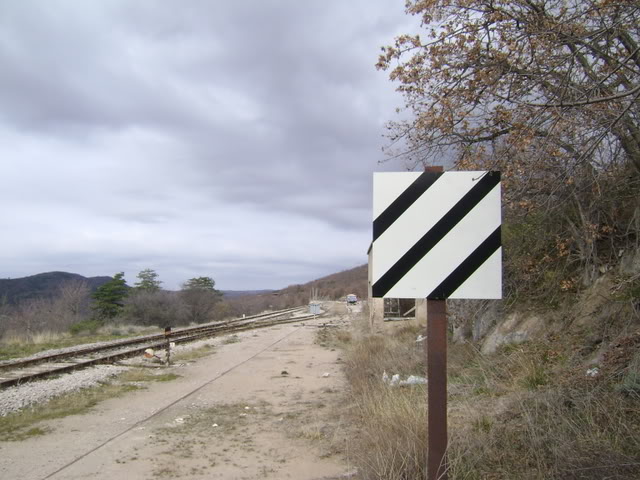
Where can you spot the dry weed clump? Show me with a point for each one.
(393, 433)
(391, 421)
(555, 434)
(528, 412)
(37, 338)
(394, 353)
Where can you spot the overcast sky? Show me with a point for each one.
(231, 139)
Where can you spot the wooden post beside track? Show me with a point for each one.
(167, 336)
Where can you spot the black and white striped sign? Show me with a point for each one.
(437, 235)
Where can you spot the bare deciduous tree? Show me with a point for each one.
(160, 308)
(201, 297)
(72, 302)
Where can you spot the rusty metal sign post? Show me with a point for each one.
(437, 389)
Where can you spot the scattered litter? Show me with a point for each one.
(179, 420)
(395, 380)
(172, 345)
(214, 425)
(420, 338)
(149, 354)
(326, 374)
(593, 372)
(414, 380)
(123, 418)
(247, 408)
(243, 414)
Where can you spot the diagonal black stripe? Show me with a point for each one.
(435, 234)
(468, 267)
(404, 201)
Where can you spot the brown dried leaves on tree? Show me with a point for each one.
(546, 91)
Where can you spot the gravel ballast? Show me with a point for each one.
(15, 398)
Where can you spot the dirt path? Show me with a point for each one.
(256, 408)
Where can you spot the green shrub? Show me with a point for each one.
(89, 326)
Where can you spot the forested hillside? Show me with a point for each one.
(43, 285)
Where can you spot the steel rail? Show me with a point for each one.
(150, 341)
(24, 362)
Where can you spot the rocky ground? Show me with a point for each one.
(260, 406)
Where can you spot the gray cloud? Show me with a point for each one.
(231, 139)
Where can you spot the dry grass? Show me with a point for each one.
(528, 412)
(394, 353)
(330, 337)
(138, 375)
(231, 339)
(391, 421)
(38, 338)
(194, 353)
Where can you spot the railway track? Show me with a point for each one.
(18, 371)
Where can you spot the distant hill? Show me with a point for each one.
(331, 287)
(42, 285)
(334, 286)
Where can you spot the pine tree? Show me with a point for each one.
(109, 298)
(199, 283)
(148, 280)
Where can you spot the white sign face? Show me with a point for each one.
(437, 235)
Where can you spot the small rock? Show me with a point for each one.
(326, 374)
(284, 372)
